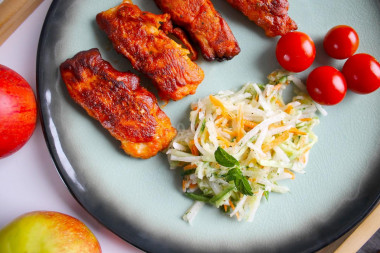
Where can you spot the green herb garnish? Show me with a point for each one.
(282, 79)
(226, 193)
(263, 185)
(188, 172)
(261, 86)
(234, 174)
(197, 197)
(225, 159)
(203, 125)
(266, 194)
(240, 181)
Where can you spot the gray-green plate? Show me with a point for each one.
(141, 200)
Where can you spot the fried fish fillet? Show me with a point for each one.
(271, 15)
(205, 26)
(142, 38)
(116, 99)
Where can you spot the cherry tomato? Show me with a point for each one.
(362, 73)
(326, 85)
(295, 51)
(341, 42)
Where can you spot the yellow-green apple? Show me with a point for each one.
(18, 111)
(45, 232)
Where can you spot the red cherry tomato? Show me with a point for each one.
(326, 85)
(295, 51)
(362, 73)
(341, 42)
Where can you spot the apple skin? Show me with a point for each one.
(45, 232)
(18, 111)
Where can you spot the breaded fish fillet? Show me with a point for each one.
(271, 15)
(205, 26)
(116, 99)
(142, 38)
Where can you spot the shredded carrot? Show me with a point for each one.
(233, 208)
(224, 123)
(296, 131)
(252, 180)
(221, 123)
(277, 141)
(275, 125)
(277, 86)
(231, 204)
(279, 102)
(288, 109)
(189, 167)
(227, 131)
(306, 119)
(193, 186)
(193, 148)
(219, 119)
(307, 150)
(250, 124)
(302, 140)
(226, 142)
(225, 208)
(219, 104)
(240, 124)
(303, 156)
(291, 173)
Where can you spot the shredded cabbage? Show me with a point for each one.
(270, 140)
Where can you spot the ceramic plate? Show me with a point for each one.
(141, 200)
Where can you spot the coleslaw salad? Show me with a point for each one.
(241, 144)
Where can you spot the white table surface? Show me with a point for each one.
(29, 180)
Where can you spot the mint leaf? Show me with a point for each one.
(241, 182)
(234, 174)
(225, 159)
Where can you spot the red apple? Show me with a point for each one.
(18, 111)
(44, 231)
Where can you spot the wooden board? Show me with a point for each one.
(353, 240)
(13, 13)
(363, 233)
